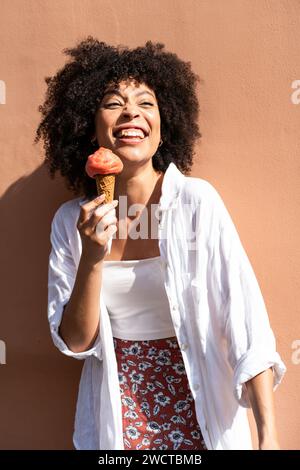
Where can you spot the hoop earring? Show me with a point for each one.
(160, 143)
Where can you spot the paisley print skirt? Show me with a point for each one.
(157, 405)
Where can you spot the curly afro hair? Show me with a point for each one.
(75, 92)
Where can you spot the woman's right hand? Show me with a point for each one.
(96, 225)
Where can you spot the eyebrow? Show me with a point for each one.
(117, 92)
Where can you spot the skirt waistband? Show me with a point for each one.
(153, 347)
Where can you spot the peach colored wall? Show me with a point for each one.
(247, 53)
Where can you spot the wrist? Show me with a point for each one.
(90, 261)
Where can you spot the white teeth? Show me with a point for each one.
(131, 133)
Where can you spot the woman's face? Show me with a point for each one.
(128, 121)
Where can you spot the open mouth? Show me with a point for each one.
(134, 135)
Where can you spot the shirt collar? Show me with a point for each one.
(171, 187)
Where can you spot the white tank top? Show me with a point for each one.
(136, 300)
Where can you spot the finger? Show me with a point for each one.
(86, 209)
(105, 235)
(111, 229)
(109, 218)
(96, 223)
(101, 211)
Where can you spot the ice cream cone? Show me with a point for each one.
(104, 165)
(106, 185)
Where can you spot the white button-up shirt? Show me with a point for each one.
(217, 309)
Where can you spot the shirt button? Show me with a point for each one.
(196, 387)
(175, 307)
(183, 346)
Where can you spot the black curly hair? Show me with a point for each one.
(75, 92)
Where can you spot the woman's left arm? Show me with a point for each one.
(260, 392)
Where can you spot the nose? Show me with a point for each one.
(130, 110)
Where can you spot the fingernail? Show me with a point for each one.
(100, 198)
(115, 202)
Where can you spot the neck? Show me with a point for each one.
(141, 187)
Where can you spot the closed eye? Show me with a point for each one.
(115, 103)
(108, 105)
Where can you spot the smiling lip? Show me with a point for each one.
(131, 127)
(131, 140)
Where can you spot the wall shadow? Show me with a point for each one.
(38, 384)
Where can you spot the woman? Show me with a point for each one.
(171, 322)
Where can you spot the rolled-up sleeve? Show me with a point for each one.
(61, 278)
(250, 340)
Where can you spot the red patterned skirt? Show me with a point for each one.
(157, 405)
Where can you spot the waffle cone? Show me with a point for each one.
(106, 185)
